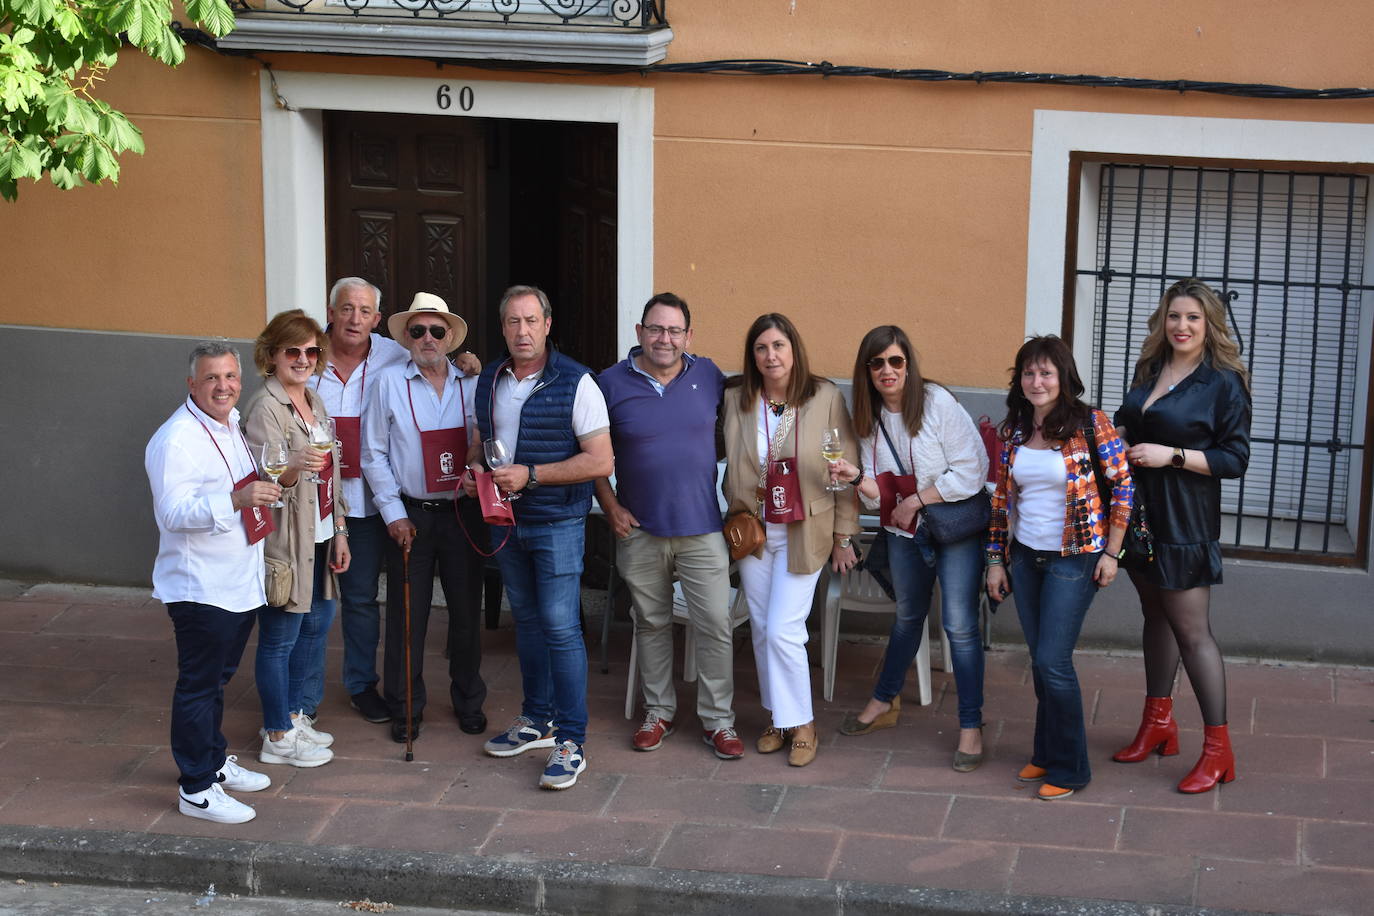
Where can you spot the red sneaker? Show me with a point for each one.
(724, 742)
(651, 734)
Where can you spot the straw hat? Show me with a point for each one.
(428, 302)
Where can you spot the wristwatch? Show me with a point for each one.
(533, 482)
(1177, 460)
(845, 542)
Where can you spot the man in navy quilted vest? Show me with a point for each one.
(549, 413)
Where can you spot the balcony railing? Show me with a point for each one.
(631, 14)
(599, 33)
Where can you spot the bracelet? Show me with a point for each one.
(341, 529)
(994, 560)
(917, 494)
(858, 480)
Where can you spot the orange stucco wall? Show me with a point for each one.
(844, 202)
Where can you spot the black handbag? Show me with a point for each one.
(1138, 547)
(877, 563)
(950, 523)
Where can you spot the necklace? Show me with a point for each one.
(1179, 378)
(777, 407)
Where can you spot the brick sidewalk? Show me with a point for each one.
(86, 675)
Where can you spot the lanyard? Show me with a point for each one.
(222, 456)
(344, 382)
(462, 415)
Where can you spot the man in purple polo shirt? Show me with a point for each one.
(662, 403)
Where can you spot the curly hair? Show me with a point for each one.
(1220, 348)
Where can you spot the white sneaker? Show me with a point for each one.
(294, 749)
(233, 776)
(307, 724)
(214, 805)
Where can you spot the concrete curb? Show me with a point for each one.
(474, 882)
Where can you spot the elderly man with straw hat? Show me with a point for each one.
(416, 431)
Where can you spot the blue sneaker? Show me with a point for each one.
(520, 737)
(565, 764)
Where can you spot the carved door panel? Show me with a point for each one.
(406, 205)
(587, 278)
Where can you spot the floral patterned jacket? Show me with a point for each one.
(1085, 522)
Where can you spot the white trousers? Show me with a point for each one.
(779, 603)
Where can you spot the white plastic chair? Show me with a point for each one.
(858, 591)
(739, 613)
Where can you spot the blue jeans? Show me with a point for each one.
(289, 667)
(1053, 594)
(541, 568)
(210, 642)
(359, 616)
(916, 563)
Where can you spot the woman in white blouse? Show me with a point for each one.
(918, 447)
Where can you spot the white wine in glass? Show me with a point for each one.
(832, 450)
(498, 456)
(275, 459)
(321, 440)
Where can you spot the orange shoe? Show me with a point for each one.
(1031, 773)
(1052, 793)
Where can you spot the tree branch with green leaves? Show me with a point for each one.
(53, 56)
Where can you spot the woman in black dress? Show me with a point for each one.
(1187, 417)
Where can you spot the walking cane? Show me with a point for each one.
(410, 738)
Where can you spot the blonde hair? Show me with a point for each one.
(1220, 348)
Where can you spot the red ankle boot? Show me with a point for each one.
(1158, 732)
(1217, 763)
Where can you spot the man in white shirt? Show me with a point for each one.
(416, 431)
(548, 411)
(208, 504)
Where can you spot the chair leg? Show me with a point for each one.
(830, 631)
(632, 680)
(923, 669)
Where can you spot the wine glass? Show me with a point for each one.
(498, 456)
(322, 436)
(275, 458)
(832, 450)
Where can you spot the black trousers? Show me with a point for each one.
(439, 548)
(210, 642)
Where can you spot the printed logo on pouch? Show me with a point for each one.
(446, 462)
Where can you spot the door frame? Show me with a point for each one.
(293, 179)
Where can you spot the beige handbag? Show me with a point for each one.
(277, 581)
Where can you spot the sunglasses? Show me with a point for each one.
(295, 352)
(437, 331)
(896, 362)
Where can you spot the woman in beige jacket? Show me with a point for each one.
(310, 537)
(774, 419)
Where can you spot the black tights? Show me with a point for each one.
(1177, 627)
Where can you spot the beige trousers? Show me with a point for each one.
(647, 564)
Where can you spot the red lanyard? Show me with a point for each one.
(344, 382)
(462, 412)
(253, 464)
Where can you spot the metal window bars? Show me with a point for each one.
(633, 14)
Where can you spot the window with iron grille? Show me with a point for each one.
(1287, 252)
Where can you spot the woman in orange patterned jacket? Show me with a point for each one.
(1064, 543)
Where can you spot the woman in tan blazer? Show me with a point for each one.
(774, 418)
(310, 536)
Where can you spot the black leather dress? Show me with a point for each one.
(1209, 411)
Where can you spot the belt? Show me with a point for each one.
(428, 505)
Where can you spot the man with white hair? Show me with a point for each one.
(416, 433)
(208, 502)
(358, 355)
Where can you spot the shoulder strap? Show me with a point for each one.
(901, 470)
(1104, 488)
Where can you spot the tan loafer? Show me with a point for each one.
(803, 745)
(770, 741)
(853, 727)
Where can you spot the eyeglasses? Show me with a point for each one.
(437, 331)
(295, 352)
(896, 362)
(658, 330)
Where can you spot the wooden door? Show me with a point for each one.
(406, 205)
(587, 280)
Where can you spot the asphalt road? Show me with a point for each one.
(41, 898)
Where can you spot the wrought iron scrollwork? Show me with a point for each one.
(641, 14)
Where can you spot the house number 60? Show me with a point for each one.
(444, 99)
